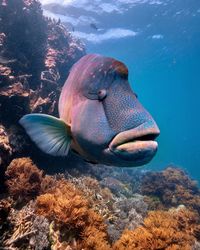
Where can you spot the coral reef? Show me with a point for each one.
(87, 207)
(170, 230)
(36, 54)
(5, 207)
(76, 212)
(71, 212)
(26, 230)
(23, 179)
(24, 43)
(172, 187)
(5, 154)
(118, 211)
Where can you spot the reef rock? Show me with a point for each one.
(171, 187)
(36, 54)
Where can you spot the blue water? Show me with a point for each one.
(168, 85)
(164, 66)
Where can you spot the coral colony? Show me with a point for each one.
(85, 207)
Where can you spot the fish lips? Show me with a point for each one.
(136, 145)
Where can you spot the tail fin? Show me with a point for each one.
(50, 134)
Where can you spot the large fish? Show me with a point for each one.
(100, 117)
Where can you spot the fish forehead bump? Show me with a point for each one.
(91, 73)
(95, 64)
(120, 68)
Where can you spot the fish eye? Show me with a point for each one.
(102, 94)
(136, 95)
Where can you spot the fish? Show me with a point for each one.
(94, 26)
(100, 117)
(6, 61)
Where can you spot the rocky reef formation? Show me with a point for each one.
(78, 212)
(36, 54)
(171, 187)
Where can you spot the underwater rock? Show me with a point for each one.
(128, 213)
(116, 186)
(5, 154)
(118, 211)
(128, 178)
(5, 148)
(62, 52)
(172, 187)
(14, 100)
(28, 81)
(136, 201)
(5, 207)
(25, 39)
(34, 40)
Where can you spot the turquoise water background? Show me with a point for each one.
(167, 82)
(166, 77)
(159, 41)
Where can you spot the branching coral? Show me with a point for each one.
(83, 215)
(172, 187)
(23, 179)
(67, 207)
(62, 51)
(169, 230)
(101, 198)
(118, 212)
(27, 230)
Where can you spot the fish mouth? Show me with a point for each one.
(137, 145)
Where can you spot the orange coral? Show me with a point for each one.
(67, 207)
(172, 187)
(23, 179)
(94, 239)
(101, 198)
(169, 230)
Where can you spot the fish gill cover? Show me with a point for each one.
(83, 206)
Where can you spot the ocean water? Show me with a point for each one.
(159, 41)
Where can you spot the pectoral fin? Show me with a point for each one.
(50, 134)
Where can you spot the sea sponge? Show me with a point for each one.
(169, 230)
(172, 187)
(71, 211)
(23, 179)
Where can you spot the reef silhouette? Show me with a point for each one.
(45, 206)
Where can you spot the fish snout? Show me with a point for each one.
(137, 144)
